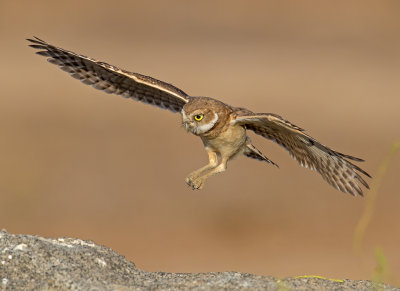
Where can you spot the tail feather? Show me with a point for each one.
(252, 152)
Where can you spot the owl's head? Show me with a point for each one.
(201, 115)
(199, 121)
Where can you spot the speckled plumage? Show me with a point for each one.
(222, 128)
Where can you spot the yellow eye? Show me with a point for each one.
(198, 117)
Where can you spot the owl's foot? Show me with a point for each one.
(195, 183)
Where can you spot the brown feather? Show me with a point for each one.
(332, 165)
(111, 79)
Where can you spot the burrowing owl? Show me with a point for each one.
(221, 127)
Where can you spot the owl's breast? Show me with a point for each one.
(228, 142)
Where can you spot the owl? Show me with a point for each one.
(221, 127)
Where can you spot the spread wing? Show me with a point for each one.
(333, 166)
(111, 79)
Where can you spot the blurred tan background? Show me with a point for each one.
(77, 162)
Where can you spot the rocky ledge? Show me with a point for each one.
(30, 262)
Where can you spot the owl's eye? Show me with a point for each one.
(198, 117)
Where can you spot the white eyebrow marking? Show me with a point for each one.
(208, 126)
(184, 114)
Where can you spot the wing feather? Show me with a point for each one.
(333, 166)
(111, 79)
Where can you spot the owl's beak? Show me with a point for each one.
(187, 127)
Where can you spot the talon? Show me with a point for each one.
(195, 184)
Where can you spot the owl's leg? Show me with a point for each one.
(213, 162)
(198, 183)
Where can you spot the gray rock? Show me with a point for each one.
(36, 263)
